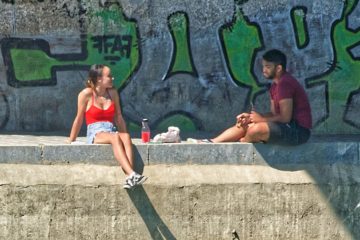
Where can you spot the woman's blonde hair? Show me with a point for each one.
(95, 72)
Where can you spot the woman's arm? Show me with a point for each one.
(82, 103)
(118, 119)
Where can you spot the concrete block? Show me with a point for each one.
(20, 154)
(225, 153)
(90, 154)
(310, 153)
(94, 154)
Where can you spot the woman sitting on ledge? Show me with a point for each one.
(99, 103)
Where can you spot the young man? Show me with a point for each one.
(289, 121)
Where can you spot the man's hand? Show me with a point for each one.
(256, 117)
(242, 120)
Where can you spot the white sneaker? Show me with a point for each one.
(129, 183)
(138, 179)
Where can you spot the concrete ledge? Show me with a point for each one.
(310, 153)
(194, 191)
(21, 154)
(185, 153)
(226, 153)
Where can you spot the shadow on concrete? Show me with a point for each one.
(336, 175)
(155, 225)
(142, 203)
(138, 161)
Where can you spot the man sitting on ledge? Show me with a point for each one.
(289, 121)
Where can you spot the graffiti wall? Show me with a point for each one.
(193, 64)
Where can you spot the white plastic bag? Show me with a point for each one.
(171, 136)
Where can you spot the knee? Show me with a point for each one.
(125, 137)
(257, 130)
(115, 138)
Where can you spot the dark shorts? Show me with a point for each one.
(288, 133)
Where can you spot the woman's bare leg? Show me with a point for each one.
(233, 134)
(127, 143)
(118, 149)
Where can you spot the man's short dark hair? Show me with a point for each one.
(275, 56)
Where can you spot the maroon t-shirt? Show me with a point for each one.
(289, 87)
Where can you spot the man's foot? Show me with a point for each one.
(205, 140)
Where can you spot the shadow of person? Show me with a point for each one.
(334, 169)
(157, 228)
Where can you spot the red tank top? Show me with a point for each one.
(95, 114)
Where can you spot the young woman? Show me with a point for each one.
(99, 104)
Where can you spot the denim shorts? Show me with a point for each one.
(94, 128)
(288, 133)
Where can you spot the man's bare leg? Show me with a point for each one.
(233, 134)
(257, 132)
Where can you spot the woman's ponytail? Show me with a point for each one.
(94, 73)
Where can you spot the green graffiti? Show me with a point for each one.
(179, 120)
(117, 50)
(133, 127)
(343, 79)
(32, 64)
(182, 61)
(240, 41)
(299, 22)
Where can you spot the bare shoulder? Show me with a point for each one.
(113, 92)
(86, 92)
(85, 95)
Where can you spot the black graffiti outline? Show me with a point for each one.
(229, 25)
(355, 58)
(40, 44)
(137, 45)
(333, 67)
(348, 49)
(348, 108)
(171, 73)
(297, 39)
(7, 111)
(196, 121)
(347, 17)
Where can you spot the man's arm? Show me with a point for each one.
(285, 115)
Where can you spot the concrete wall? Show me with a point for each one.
(194, 191)
(194, 64)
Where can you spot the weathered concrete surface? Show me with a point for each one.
(194, 191)
(52, 150)
(177, 202)
(198, 59)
